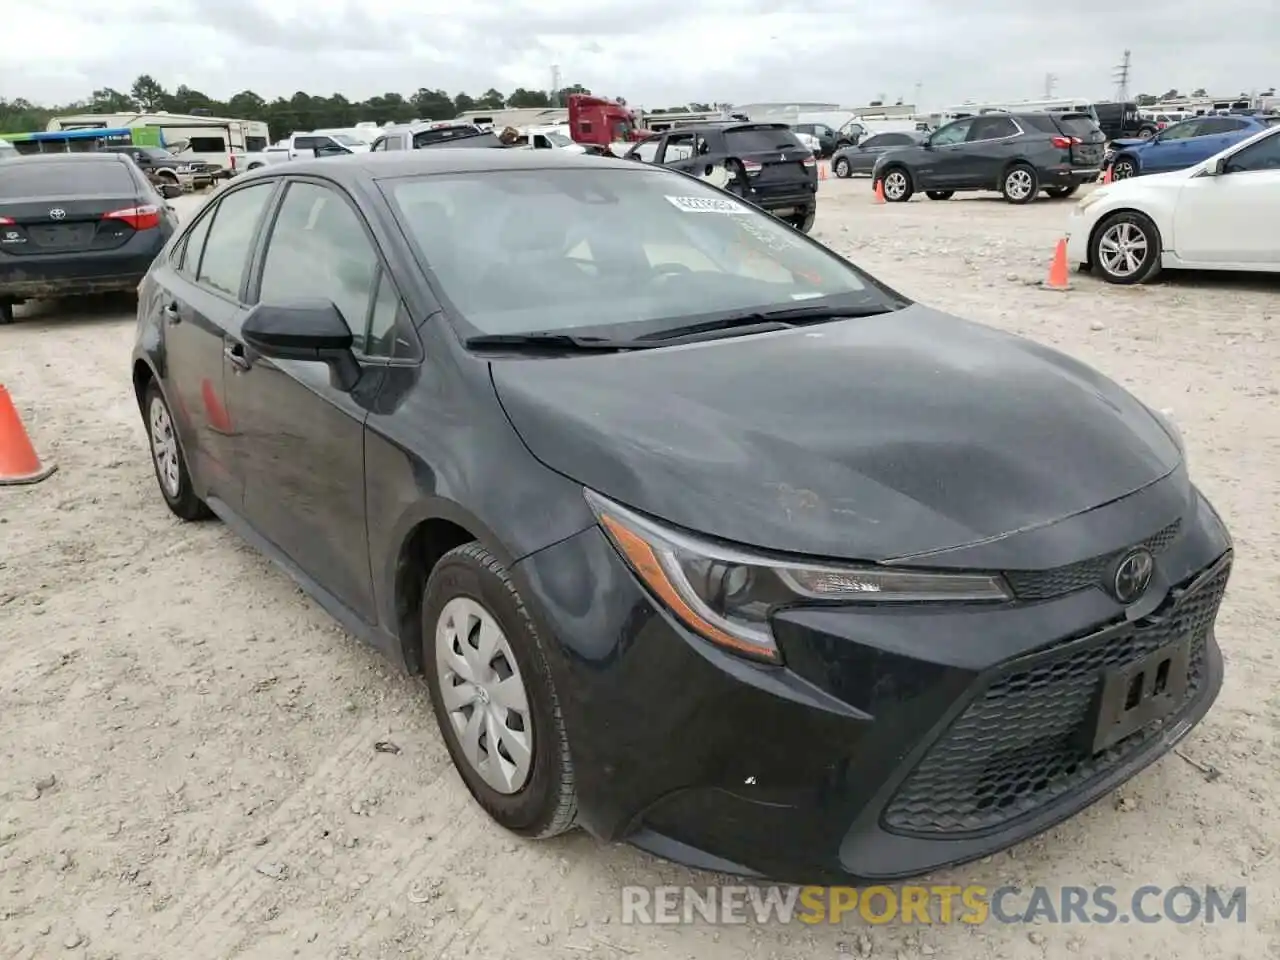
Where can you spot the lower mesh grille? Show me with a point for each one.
(1024, 742)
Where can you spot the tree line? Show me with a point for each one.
(300, 112)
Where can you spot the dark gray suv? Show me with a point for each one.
(1015, 154)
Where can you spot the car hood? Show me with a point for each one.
(874, 438)
(1129, 142)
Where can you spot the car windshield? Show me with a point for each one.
(559, 139)
(347, 140)
(558, 249)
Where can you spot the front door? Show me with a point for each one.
(992, 142)
(1219, 220)
(200, 300)
(301, 440)
(943, 165)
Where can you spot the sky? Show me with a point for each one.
(654, 53)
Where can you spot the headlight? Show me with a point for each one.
(727, 595)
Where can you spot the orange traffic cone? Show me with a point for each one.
(1108, 176)
(18, 460)
(822, 170)
(879, 191)
(1058, 269)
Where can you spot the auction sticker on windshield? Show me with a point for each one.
(707, 205)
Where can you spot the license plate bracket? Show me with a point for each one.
(1141, 692)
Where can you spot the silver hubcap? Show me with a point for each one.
(164, 447)
(1122, 249)
(895, 185)
(1122, 171)
(841, 168)
(484, 695)
(1018, 184)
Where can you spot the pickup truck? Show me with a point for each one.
(304, 145)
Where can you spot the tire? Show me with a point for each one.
(6, 312)
(1146, 133)
(1125, 228)
(168, 458)
(1058, 193)
(168, 177)
(468, 585)
(1122, 168)
(842, 169)
(939, 194)
(1020, 184)
(804, 222)
(897, 185)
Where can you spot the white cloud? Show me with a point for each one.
(658, 53)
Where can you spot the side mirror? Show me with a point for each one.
(1217, 168)
(311, 330)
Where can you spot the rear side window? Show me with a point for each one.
(760, 140)
(226, 249)
(55, 179)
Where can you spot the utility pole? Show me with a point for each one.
(555, 82)
(916, 102)
(1050, 81)
(1121, 76)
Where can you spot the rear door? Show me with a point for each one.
(56, 208)
(777, 164)
(201, 300)
(1217, 134)
(992, 142)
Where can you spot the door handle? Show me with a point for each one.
(171, 313)
(235, 353)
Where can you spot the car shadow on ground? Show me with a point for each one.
(75, 311)
(1230, 281)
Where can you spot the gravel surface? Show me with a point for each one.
(187, 760)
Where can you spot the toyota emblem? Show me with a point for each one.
(1133, 575)
(57, 213)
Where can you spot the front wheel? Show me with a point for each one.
(939, 194)
(1020, 184)
(897, 186)
(1125, 248)
(1146, 133)
(493, 695)
(169, 460)
(1057, 193)
(1123, 169)
(841, 169)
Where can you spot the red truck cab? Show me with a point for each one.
(601, 122)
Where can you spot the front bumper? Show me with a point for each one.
(892, 742)
(1077, 236)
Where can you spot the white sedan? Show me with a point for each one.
(1220, 214)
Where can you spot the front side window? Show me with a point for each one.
(532, 250)
(647, 150)
(1182, 131)
(1262, 155)
(992, 128)
(319, 248)
(952, 133)
(231, 233)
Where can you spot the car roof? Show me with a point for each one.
(67, 158)
(409, 163)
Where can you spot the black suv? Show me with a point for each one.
(765, 164)
(1123, 121)
(1016, 154)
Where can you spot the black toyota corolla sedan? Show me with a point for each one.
(703, 538)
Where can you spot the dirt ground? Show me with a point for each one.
(187, 761)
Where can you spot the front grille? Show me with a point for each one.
(1023, 742)
(1058, 581)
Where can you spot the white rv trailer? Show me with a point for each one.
(220, 141)
(1057, 105)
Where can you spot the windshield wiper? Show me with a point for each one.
(553, 342)
(772, 319)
